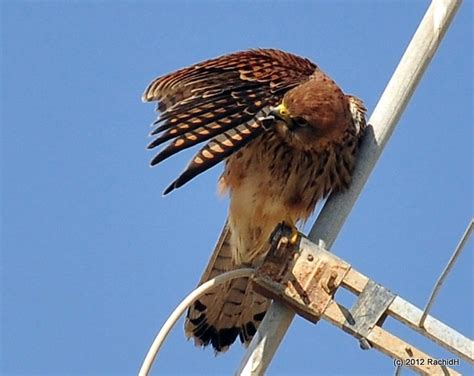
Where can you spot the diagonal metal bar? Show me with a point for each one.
(382, 124)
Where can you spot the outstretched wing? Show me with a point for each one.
(220, 100)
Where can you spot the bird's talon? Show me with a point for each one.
(295, 235)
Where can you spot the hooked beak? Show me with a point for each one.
(278, 116)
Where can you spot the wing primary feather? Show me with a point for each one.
(182, 143)
(217, 118)
(196, 104)
(214, 122)
(201, 163)
(240, 123)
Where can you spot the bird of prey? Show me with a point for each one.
(288, 135)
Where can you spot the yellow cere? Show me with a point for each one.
(283, 110)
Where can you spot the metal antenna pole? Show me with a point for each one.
(382, 123)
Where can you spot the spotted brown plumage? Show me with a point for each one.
(220, 99)
(289, 137)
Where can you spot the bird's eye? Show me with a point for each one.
(300, 122)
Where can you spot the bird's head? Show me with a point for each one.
(312, 115)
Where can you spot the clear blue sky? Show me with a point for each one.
(94, 258)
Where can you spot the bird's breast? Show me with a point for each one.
(270, 182)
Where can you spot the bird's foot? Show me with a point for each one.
(294, 235)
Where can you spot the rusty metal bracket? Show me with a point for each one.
(305, 277)
(299, 274)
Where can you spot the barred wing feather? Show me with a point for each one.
(220, 101)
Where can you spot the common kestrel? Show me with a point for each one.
(289, 136)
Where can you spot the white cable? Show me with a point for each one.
(194, 295)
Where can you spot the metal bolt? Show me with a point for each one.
(310, 258)
(332, 280)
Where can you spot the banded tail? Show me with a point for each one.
(228, 311)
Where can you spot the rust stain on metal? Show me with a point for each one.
(304, 279)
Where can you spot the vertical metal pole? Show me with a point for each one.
(382, 123)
